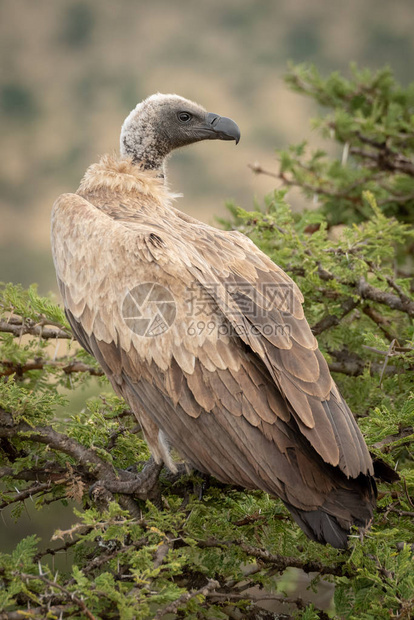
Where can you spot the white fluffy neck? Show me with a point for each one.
(140, 142)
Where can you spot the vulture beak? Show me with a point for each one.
(220, 128)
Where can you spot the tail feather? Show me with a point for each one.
(320, 527)
(350, 504)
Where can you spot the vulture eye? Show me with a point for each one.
(184, 117)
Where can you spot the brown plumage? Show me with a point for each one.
(228, 372)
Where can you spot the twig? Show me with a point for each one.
(402, 513)
(396, 349)
(121, 431)
(57, 441)
(387, 443)
(378, 320)
(172, 608)
(60, 611)
(21, 496)
(50, 472)
(67, 545)
(364, 290)
(279, 562)
(410, 501)
(386, 160)
(104, 558)
(234, 596)
(257, 169)
(397, 288)
(331, 320)
(57, 586)
(352, 365)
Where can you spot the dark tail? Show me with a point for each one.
(351, 504)
(320, 527)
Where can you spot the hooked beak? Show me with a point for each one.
(220, 128)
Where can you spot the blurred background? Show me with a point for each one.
(71, 70)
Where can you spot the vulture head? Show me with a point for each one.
(162, 123)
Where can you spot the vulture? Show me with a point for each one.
(203, 335)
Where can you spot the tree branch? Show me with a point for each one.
(367, 291)
(19, 328)
(386, 159)
(378, 320)
(57, 441)
(353, 365)
(363, 289)
(70, 595)
(49, 472)
(332, 320)
(172, 608)
(60, 611)
(21, 496)
(10, 368)
(67, 545)
(279, 562)
(102, 472)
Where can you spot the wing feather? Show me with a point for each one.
(266, 298)
(250, 401)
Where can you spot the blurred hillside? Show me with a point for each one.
(71, 70)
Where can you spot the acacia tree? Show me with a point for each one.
(370, 117)
(185, 546)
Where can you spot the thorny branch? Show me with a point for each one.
(107, 479)
(26, 493)
(68, 595)
(19, 328)
(351, 364)
(312, 189)
(216, 590)
(235, 596)
(278, 562)
(184, 598)
(50, 471)
(367, 291)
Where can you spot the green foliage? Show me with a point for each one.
(188, 554)
(371, 119)
(28, 304)
(370, 345)
(127, 567)
(372, 594)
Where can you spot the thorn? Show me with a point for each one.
(345, 154)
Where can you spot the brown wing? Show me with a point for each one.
(264, 306)
(251, 405)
